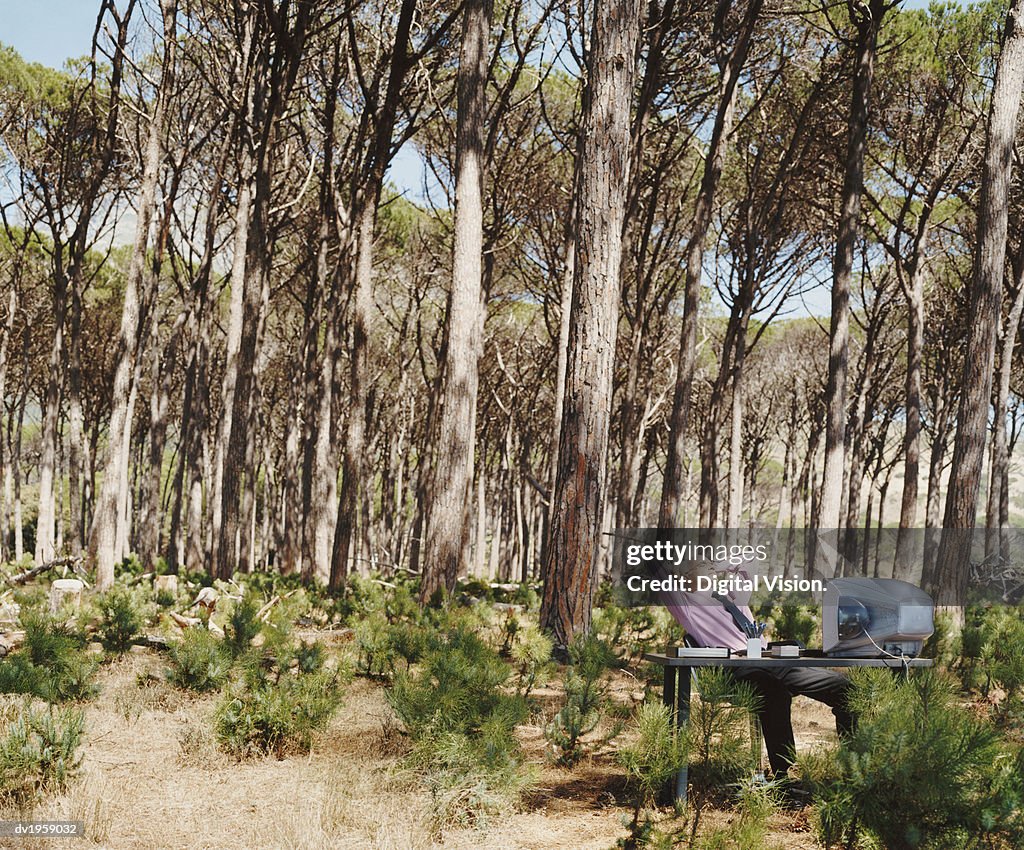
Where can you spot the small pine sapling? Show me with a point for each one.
(586, 690)
(656, 754)
(38, 751)
(531, 654)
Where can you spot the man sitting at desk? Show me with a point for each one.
(719, 621)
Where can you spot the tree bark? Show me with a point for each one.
(449, 513)
(103, 534)
(5, 462)
(736, 453)
(577, 506)
(867, 19)
(367, 201)
(986, 297)
(45, 544)
(1000, 460)
(222, 531)
(905, 560)
(77, 461)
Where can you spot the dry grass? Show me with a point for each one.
(153, 778)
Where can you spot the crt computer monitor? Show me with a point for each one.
(875, 617)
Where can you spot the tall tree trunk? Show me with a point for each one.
(225, 483)
(933, 501)
(672, 489)
(6, 462)
(561, 359)
(905, 556)
(736, 456)
(986, 298)
(152, 514)
(577, 507)
(174, 549)
(368, 199)
(45, 544)
(1000, 461)
(867, 19)
(353, 464)
(103, 533)
(19, 527)
(449, 513)
(630, 432)
(325, 480)
(77, 461)
(480, 555)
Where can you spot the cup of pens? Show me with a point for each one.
(754, 632)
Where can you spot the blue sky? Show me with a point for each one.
(48, 31)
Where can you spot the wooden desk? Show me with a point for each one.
(676, 694)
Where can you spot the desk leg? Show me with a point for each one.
(682, 717)
(668, 694)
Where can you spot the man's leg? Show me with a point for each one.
(825, 686)
(774, 714)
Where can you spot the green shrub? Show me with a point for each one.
(51, 664)
(656, 754)
(165, 598)
(721, 750)
(463, 724)
(637, 630)
(458, 688)
(918, 772)
(723, 753)
(243, 625)
(33, 596)
(48, 639)
(749, 828)
(989, 657)
(360, 598)
(121, 617)
(38, 751)
(1002, 658)
(401, 603)
(131, 566)
(199, 661)
(310, 657)
(278, 716)
(531, 655)
(590, 657)
(375, 650)
(471, 778)
(409, 641)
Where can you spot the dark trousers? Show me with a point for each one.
(776, 687)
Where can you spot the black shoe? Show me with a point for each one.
(793, 797)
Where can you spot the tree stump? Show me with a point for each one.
(166, 583)
(65, 589)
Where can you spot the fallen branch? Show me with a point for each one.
(195, 622)
(31, 573)
(264, 612)
(185, 622)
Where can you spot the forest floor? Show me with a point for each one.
(152, 778)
